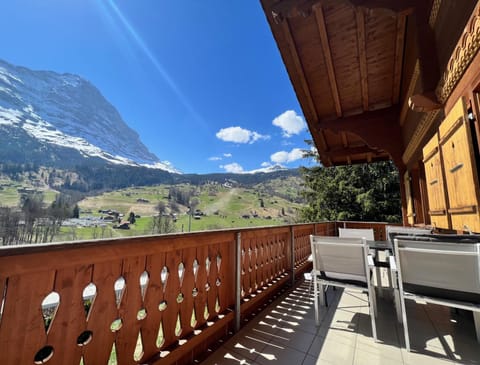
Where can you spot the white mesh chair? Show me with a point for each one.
(443, 273)
(366, 233)
(392, 232)
(342, 262)
(369, 235)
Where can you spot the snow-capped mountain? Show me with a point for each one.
(66, 114)
(268, 169)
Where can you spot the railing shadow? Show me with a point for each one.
(285, 332)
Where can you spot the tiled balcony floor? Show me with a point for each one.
(285, 333)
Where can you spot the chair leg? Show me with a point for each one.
(405, 324)
(396, 295)
(321, 295)
(476, 319)
(398, 309)
(378, 277)
(315, 299)
(373, 315)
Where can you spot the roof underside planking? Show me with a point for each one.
(345, 62)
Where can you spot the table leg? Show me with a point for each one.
(476, 318)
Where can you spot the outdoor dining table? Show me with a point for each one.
(381, 261)
(380, 245)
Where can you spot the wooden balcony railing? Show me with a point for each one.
(145, 300)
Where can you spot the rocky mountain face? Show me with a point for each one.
(47, 117)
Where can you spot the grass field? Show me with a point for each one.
(10, 197)
(222, 208)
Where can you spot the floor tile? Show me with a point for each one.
(285, 333)
(363, 357)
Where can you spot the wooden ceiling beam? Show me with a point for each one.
(343, 152)
(282, 9)
(426, 100)
(344, 139)
(299, 68)
(362, 55)
(399, 45)
(359, 120)
(396, 6)
(322, 30)
(379, 129)
(319, 139)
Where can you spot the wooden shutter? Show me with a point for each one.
(460, 168)
(437, 201)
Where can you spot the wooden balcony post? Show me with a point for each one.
(292, 250)
(238, 280)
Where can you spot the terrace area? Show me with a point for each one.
(218, 297)
(285, 333)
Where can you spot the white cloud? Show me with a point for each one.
(232, 167)
(214, 158)
(266, 164)
(290, 122)
(227, 155)
(286, 157)
(239, 135)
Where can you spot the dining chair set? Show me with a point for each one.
(425, 267)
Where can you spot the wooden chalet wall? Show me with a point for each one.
(392, 79)
(444, 142)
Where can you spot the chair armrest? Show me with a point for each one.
(393, 263)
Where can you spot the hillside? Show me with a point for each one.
(217, 205)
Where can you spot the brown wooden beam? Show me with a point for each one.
(322, 30)
(403, 194)
(396, 6)
(399, 45)
(426, 100)
(362, 56)
(319, 139)
(343, 152)
(344, 139)
(379, 129)
(299, 68)
(283, 9)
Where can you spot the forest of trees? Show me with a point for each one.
(32, 222)
(362, 192)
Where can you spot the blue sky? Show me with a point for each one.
(202, 82)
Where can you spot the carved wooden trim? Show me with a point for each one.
(434, 13)
(466, 49)
(420, 132)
